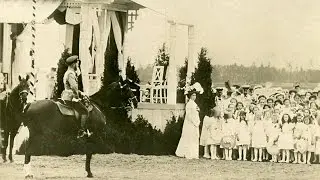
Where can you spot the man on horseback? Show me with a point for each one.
(71, 93)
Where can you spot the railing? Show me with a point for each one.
(94, 83)
(154, 94)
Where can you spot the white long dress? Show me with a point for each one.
(188, 146)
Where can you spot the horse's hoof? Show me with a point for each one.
(90, 175)
(4, 161)
(11, 161)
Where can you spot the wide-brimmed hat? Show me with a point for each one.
(292, 90)
(301, 145)
(313, 96)
(195, 88)
(228, 142)
(245, 86)
(273, 150)
(72, 59)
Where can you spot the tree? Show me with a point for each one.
(182, 82)
(162, 58)
(62, 68)
(111, 66)
(131, 71)
(202, 75)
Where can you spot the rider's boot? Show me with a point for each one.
(82, 131)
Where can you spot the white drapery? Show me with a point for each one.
(104, 29)
(20, 11)
(73, 16)
(119, 42)
(22, 59)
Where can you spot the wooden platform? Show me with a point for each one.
(158, 114)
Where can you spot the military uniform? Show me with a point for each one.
(71, 93)
(70, 81)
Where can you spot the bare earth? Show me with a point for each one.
(119, 166)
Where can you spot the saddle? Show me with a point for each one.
(67, 110)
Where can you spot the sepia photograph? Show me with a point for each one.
(159, 89)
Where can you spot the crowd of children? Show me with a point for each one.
(280, 127)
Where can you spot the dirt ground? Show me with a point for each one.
(119, 166)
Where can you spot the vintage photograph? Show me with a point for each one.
(159, 89)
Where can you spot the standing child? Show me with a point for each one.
(310, 139)
(317, 140)
(239, 108)
(273, 132)
(228, 130)
(286, 138)
(299, 129)
(259, 139)
(243, 136)
(215, 130)
(207, 122)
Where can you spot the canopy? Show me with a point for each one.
(20, 11)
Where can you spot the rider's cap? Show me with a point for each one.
(72, 59)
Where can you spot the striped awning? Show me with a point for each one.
(20, 11)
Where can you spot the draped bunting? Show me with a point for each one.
(118, 38)
(73, 16)
(22, 59)
(104, 29)
(20, 11)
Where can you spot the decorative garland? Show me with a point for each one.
(32, 51)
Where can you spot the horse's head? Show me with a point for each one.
(23, 89)
(127, 96)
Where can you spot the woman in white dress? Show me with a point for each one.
(188, 146)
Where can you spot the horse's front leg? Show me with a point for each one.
(27, 159)
(4, 146)
(88, 161)
(12, 136)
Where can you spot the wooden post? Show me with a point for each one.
(69, 37)
(7, 48)
(172, 69)
(84, 40)
(191, 56)
(124, 46)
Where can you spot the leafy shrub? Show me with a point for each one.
(172, 134)
(121, 136)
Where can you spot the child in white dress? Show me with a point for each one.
(310, 138)
(207, 122)
(286, 138)
(239, 108)
(259, 138)
(228, 129)
(317, 140)
(267, 118)
(298, 131)
(273, 132)
(243, 136)
(214, 135)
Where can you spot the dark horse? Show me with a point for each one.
(44, 115)
(11, 118)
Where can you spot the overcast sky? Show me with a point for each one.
(242, 31)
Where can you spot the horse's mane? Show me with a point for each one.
(104, 94)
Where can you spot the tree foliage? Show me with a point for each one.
(131, 71)
(62, 68)
(182, 82)
(162, 58)
(261, 74)
(202, 75)
(111, 67)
